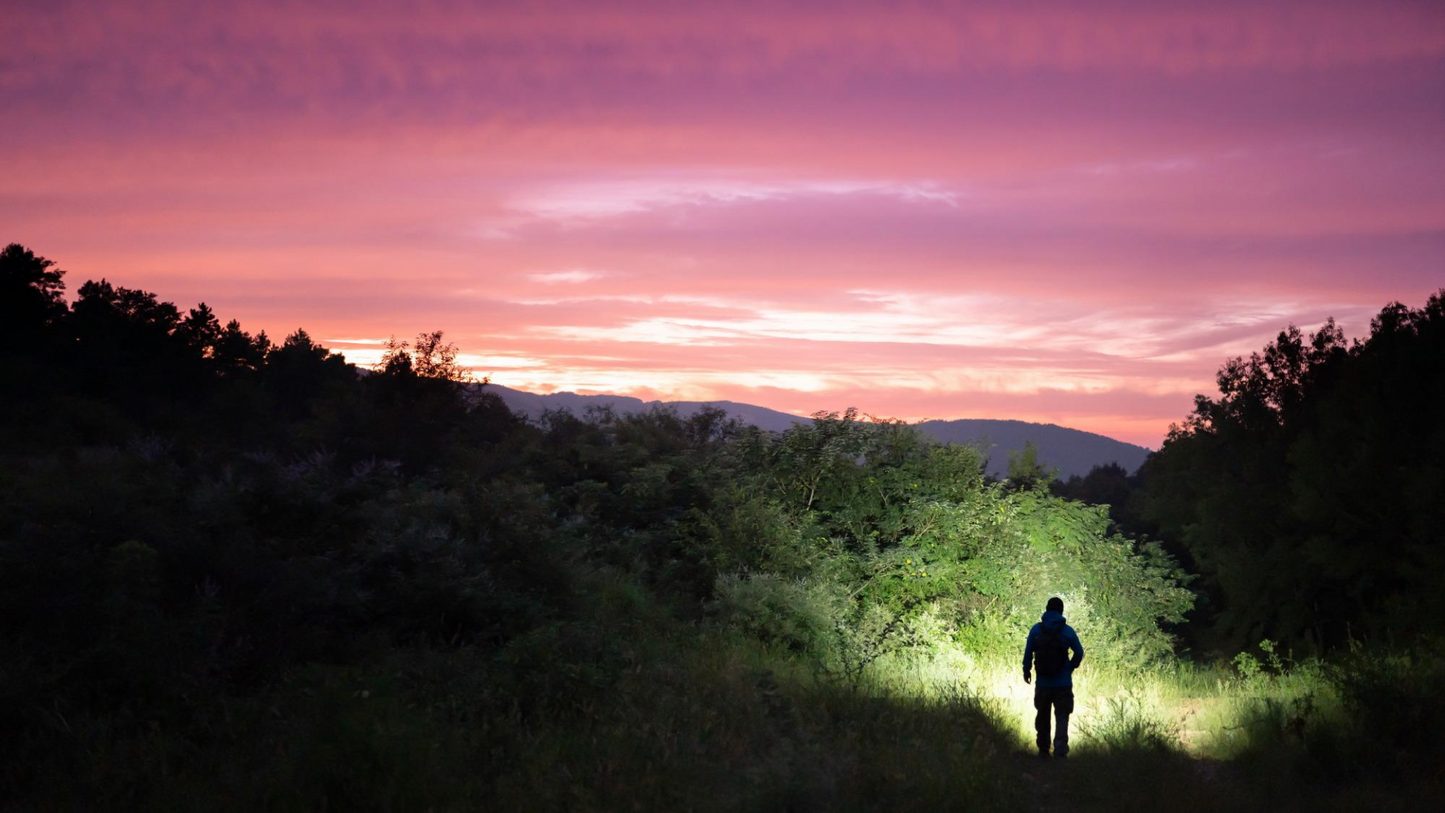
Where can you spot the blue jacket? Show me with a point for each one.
(1054, 620)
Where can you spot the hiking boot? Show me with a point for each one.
(1043, 753)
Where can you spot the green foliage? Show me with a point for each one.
(1252, 669)
(1026, 472)
(904, 529)
(1127, 727)
(795, 615)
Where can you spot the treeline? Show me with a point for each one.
(118, 363)
(1309, 494)
(199, 527)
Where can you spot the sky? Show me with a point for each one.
(1051, 211)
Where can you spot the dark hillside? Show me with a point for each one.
(533, 405)
(1071, 451)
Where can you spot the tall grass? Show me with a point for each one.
(1267, 732)
(1202, 710)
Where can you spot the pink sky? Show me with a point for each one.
(1059, 212)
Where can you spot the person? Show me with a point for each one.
(1047, 651)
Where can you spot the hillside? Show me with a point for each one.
(1071, 451)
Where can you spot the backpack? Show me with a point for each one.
(1051, 654)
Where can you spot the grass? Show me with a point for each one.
(1358, 733)
(1203, 711)
(705, 721)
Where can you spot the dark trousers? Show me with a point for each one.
(1061, 700)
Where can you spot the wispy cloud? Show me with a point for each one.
(603, 199)
(572, 276)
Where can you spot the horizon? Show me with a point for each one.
(1028, 212)
(861, 412)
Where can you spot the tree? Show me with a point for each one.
(127, 347)
(419, 404)
(1026, 472)
(237, 352)
(300, 370)
(1307, 492)
(32, 291)
(429, 357)
(1111, 484)
(395, 359)
(114, 312)
(437, 359)
(200, 329)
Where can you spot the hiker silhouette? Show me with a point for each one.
(1047, 652)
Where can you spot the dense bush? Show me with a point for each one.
(902, 543)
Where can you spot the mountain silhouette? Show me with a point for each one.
(1071, 451)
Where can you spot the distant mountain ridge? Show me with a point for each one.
(1071, 451)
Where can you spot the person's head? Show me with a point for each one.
(1056, 604)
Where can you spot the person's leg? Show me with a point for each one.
(1063, 707)
(1041, 719)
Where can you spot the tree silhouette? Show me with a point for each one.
(32, 293)
(300, 370)
(200, 329)
(1307, 492)
(237, 352)
(429, 357)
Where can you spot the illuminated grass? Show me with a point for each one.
(1202, 711)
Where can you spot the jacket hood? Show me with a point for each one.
(1052, 620)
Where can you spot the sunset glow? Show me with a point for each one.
(1057, 212)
